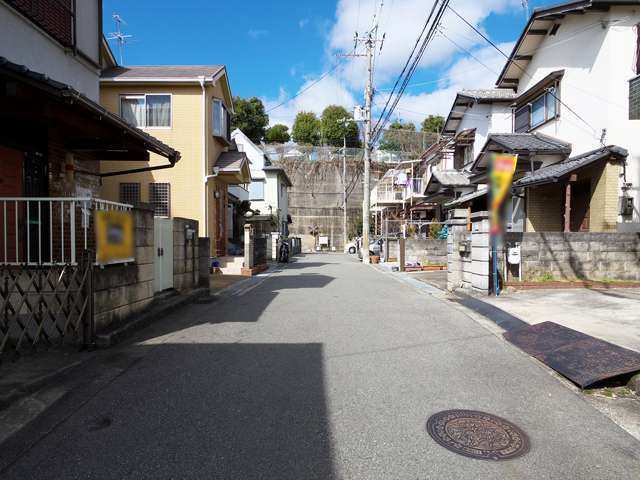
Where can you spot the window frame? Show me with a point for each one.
(264, 184)
(129, 184)
(544, 95)
(144, 96)
(225, 120)
(153, 203)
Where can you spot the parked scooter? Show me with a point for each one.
(283, 253)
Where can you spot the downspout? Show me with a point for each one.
(204, 158)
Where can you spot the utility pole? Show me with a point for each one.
(345, 237)
(370, 41)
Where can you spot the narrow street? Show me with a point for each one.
(326, 369)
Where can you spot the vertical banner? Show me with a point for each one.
(501, 171)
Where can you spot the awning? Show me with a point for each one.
(233, 167)
(38, 100)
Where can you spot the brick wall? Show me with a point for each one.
(545, 206)
(567, 256)
(53, 16)
(603, 213)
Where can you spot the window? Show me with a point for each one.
(130, 193)
(221, 119)
(540, 110)
(150, 110)
(256, 190)
(160, 198)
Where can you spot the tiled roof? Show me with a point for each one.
(161, 71)
(67, 93)
(451, 178)
(231, 161)
(530, 142)
(554, 172)
(490, 94)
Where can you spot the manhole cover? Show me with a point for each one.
(477, 435)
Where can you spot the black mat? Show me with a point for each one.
(581, 358)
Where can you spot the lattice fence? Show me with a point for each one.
(45, 305)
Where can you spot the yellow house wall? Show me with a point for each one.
(184, 135)
(544, 209)
(603, 209)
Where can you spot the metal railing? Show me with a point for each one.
(48, 230)
(387, 194)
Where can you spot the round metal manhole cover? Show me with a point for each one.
(477, 435)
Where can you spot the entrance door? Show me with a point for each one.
(163, 254)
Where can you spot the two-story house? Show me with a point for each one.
(569, 112)
(268, 190)
(188, 107)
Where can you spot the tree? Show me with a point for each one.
(277, 134)
(401, 137)
(433, 124)
(335, 130)
(306, 129)
(250, 118)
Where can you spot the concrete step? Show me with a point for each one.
(231, 265)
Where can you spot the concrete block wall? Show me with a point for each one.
(426, 251)
(121, 290)
(185, 254)
(480, 251)
(569, 256)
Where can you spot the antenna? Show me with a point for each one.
(118, 36)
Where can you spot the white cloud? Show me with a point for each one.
(328, 91)
(402, 21)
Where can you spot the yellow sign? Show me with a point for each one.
(503, 167)
(114, 236)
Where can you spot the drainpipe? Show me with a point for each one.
(204, 158)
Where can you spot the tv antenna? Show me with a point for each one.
(119, 36)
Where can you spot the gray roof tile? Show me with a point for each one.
(161, 71)
(231, 161)
(530, 142)
(554, 172)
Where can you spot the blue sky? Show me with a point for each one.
(272, 52)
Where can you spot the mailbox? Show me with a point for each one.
(464, 246)
(513, 255)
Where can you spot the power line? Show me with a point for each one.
(384, 117)
(521, 68)
(312, 84)
(460, 47)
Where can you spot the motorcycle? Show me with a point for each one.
(283, 253)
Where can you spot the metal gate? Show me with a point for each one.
(163, 258)
(46, 305)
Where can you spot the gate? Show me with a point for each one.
(46, 305)
(163, 258)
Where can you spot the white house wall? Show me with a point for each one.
(598, 64)
(485, 118)
(23, 43)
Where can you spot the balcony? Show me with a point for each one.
(387, 195)
(46, 231)
(414, 189)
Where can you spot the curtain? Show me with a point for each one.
(158, 110)
(133, 110)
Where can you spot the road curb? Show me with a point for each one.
(105, 340)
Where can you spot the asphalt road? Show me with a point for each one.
(328, 369)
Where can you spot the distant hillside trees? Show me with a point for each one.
(250, 117)
(306, 129)
(279, 133)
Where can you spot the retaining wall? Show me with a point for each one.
(429, 251)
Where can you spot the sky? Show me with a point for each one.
(275, 49)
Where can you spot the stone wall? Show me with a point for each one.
(567, 256)
(185, 254)
(121, 290)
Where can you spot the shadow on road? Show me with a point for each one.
(241, 411)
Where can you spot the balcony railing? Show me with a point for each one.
(48, 230)
(414, 188)
(387, 194)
